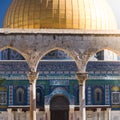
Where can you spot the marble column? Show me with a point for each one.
(47, 112)
(71, 112)
(33, 76)
(10, 114)
(107, 114)
(98, 113)
(82, 78)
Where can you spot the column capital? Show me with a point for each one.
(98, 109)
(47, 107)
(32, 76)
(9, 110)
(81, 76)
(19, 110)
(72, 107)
(108, 109)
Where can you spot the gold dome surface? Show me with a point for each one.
(60, 14)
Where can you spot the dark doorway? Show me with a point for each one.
(59, 107)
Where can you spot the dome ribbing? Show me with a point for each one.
(60, 14)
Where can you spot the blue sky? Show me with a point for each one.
(3, 7)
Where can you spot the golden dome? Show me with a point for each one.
(63, 14)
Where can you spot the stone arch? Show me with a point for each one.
(18, 51)
(98, 50)
(15, 49)
(58, 48)
(69, 52)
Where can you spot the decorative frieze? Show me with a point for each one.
(107, 95)
(10, 95)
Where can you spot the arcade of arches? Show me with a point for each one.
(68, 86)
(80, 47)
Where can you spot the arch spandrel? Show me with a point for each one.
(77, 56)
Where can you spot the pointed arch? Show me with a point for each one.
(98, 95)
(20, 96)
(97, 51)
(15, 50)
(69, 52)
(101, 49)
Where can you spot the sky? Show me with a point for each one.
(3, 8)
(114, 4)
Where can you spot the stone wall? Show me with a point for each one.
(80, 45)
(91, 115)
(115, 115)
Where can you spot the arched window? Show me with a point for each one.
(39, 97)
(20, 95)
(98, 96)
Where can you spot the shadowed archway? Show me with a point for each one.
(59, 107)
